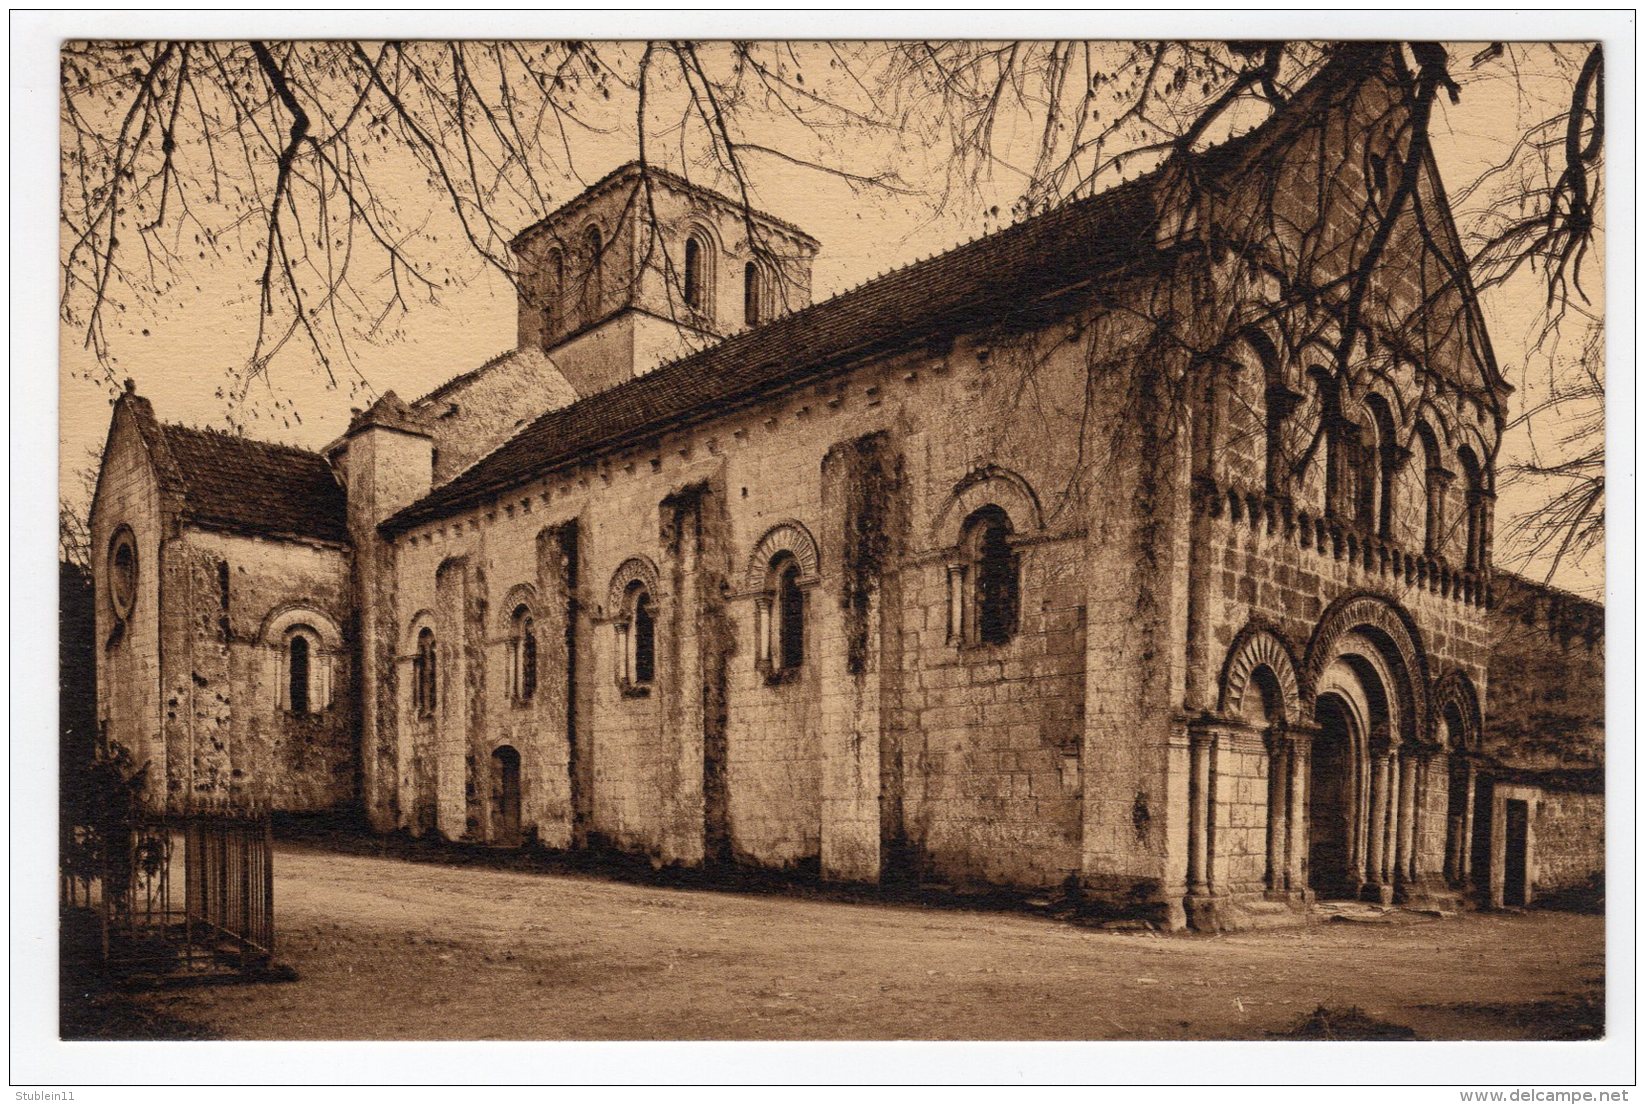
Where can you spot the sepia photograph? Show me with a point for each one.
(833, 539)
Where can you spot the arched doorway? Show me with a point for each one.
(1368, 672)
(505, 796)
(1332, 800)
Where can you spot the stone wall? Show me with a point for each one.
(471, 415)
(960, 763)
(129, 650)
(228, 596)
(1570, 842)
(1547, 707)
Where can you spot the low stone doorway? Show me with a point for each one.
(505, 796)
(1516, 836)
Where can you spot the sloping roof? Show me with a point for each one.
(633, 170)
(249, 486)
(966, 287)
(530, 360)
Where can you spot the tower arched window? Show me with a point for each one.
(697, 280)
(522, 655)
(425, 674)
(755, 309)
(637, 640)
(593, 274)
(988, 582)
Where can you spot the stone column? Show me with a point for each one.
(1361, 774)
(452, 698)
(1378, 835)
(1465, 868)
(680, 678)
(861, 497)
(1405, 852)
(956, 603)
(1422, 818)
(762, 632)
(1296, 825)
(1279, 812)
(1438, 483)
(1390, 842)
(1200, 805)
(553, 745)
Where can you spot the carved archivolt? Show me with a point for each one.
(1385, 624)
(790, 537)
(634, 568)
(423, 619)
(283, 618)
(1259, 647)
(1455, 688)
(521, 594)
(985, 486)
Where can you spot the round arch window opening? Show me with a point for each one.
(123, 572)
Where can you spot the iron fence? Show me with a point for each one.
(179, 894)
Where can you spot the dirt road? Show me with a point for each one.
(391, 949)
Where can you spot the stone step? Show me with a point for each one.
(1262, 905)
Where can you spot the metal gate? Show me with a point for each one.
(228, 866)
(181, 894)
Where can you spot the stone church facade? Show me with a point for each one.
(1062, 561)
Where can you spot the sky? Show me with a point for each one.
(178, 354)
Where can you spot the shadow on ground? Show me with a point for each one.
(1577, 1017)
(1348, 1023)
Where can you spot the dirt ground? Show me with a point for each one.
(393, 949)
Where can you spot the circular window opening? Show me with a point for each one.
(123, 571)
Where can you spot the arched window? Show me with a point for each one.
(754, 305)
(522, 655)
(779, 618)
(303, 646)
(988, 607)
(297, 673)
(1435, 480)
(637, 639)
(1473, 480)
(593, 274)
(1380, 464)
(790, 617)
(645, 639)
(304, 674)
(696, 275)
(425, 674)
(553, 293)
(1342, 453)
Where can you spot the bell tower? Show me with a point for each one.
(645, 267)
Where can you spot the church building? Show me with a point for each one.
(1140, 551)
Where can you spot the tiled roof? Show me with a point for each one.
(632, 170)
(256, 487)
(976, 284)
(965, 288)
